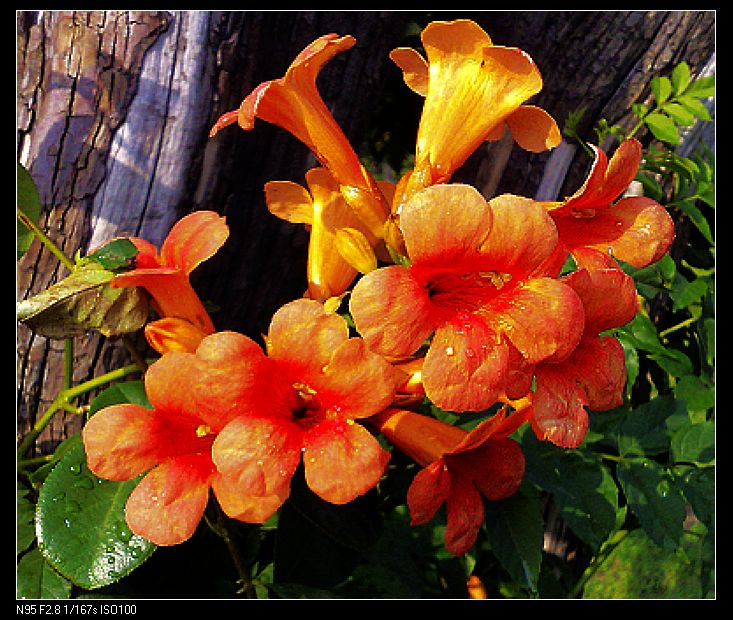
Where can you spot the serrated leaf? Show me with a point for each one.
(84, 301)
(515, 529)
(655, 499)
(662, 127)
(29, 203)
(81, 527)
(25, 532)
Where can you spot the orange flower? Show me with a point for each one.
(340, 245)
(171, 442)
(474, 285)
(458, 467)
(303, 399)
(636, 230)
(165, 275)
(294, 103)
(594, 375)
(472, 89)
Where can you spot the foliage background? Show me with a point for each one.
(635, 503)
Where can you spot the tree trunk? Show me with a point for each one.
(114, 109)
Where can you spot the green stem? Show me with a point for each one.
(63, 398)
(606, 549)
(674, 328)
(53, 248)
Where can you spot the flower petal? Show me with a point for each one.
(414, 68)
(392, 311)
(559, 403)
(599, 366)
(595, 288)
(342, 460)
(258, 454)
(445, 224)
(122, 441)
(304, 334)
(523, 236)
(360, 382)
(543, 318)
(168, 504)
(289, 201)
(194, 239)
(465, 510)
(533, 129)
(496, 467)
(237, 503)
(173, 334)
(428, 491)
(465, 367)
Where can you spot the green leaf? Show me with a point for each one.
(115, 255)
(582, 488)
(698, 486)
(702, 87)
(661, 88)
(81, 527)
(695, 106)
(37, 580)
(655, 499)
(697, 395)
(644, 430)
(30, 204)
(515, 528)
(680, 77)
(679, 114)
(125, 392)
(25, 532)
(662, 127)
(83, 301)
(695, 444)
(685, 293)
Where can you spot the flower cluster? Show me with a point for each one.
(457, 300)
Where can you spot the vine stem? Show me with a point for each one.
(63, 398)
(52, 247)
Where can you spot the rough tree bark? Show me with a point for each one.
(114, 108)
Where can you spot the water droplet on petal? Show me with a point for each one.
(449, 351)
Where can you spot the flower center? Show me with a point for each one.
(467, 291)
(307, 409)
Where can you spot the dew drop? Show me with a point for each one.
(75, 469)
(449, 351)
(470, 353)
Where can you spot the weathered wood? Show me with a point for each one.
(113, 117)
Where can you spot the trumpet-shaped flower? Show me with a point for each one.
(474, 285)
(294, 103)
(165, 275)
(635, 229)
(594, 375)
(304, 398)
(458, 468)
(171, 442)
(473, 89)
(340, 245)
